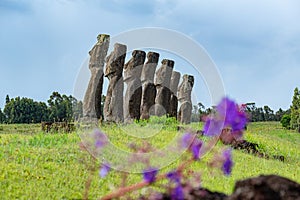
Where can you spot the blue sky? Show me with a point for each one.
(255, 44)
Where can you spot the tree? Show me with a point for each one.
(25, 110)
(7, 99)
(285, 121)
(2, 117)
(268, 114)
(295, 110)
(63, 108)
(201, 110)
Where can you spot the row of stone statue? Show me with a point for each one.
(144, 96)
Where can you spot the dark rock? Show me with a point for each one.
(205, 194)
(270, 187)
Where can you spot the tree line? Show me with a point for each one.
(58, 108)
(289, 118)
(61, 108)
(255, 114)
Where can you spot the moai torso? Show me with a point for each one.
(132, 74)
(162, 83)
(174, 100)
(185, 88)
(113, 107)
(164, 73)
(184, 97)
(149, 68)
(92, 99)
(149, 89)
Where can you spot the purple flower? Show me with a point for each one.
(192, 143)
(104, 170)
(196, 146)
(100, 138)
(187, 140)
(174, 176)
(150, 174)
(232, 114)
(229, 114)
(228, 163)
(213, 127)
(177, 193)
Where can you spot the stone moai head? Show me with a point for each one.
(133, 68)
(149, 67)
(175, 78)
(115, 60)
(185, 88)
(164, 73)
(152, 57)
(99, 52)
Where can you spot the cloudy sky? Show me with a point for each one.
(254, 44)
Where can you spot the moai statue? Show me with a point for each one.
(184, 97)
(113, 106)
(92, 98)
(162, 83)
(132, 77)
(174, 100)
(149, 89)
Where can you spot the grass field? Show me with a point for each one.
(37, 165)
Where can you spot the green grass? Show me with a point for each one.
(37, 165)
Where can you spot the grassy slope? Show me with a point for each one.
(34, 165)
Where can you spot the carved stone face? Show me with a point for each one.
(138, 53)
(169, 63)
(152, 57)
(191, 80)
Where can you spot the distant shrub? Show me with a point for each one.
(285, 121)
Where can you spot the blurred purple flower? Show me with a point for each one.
(99, 138)
(105, 168)
(213, 127)
(192, 143)
(150, 174)
(174, 176)
(232, 114)
(228, 163)
(177, 193)
(187, 140)
(229, 114)
(196, 146)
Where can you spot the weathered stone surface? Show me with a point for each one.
(149, 68)
(173, 106)
(174, 100)
(92, 98)
(184, 97)
(162, 83)
(175, 78)
(270, 187)
(164, 73)
(149, 89)
(113, 107)
(132, 73)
